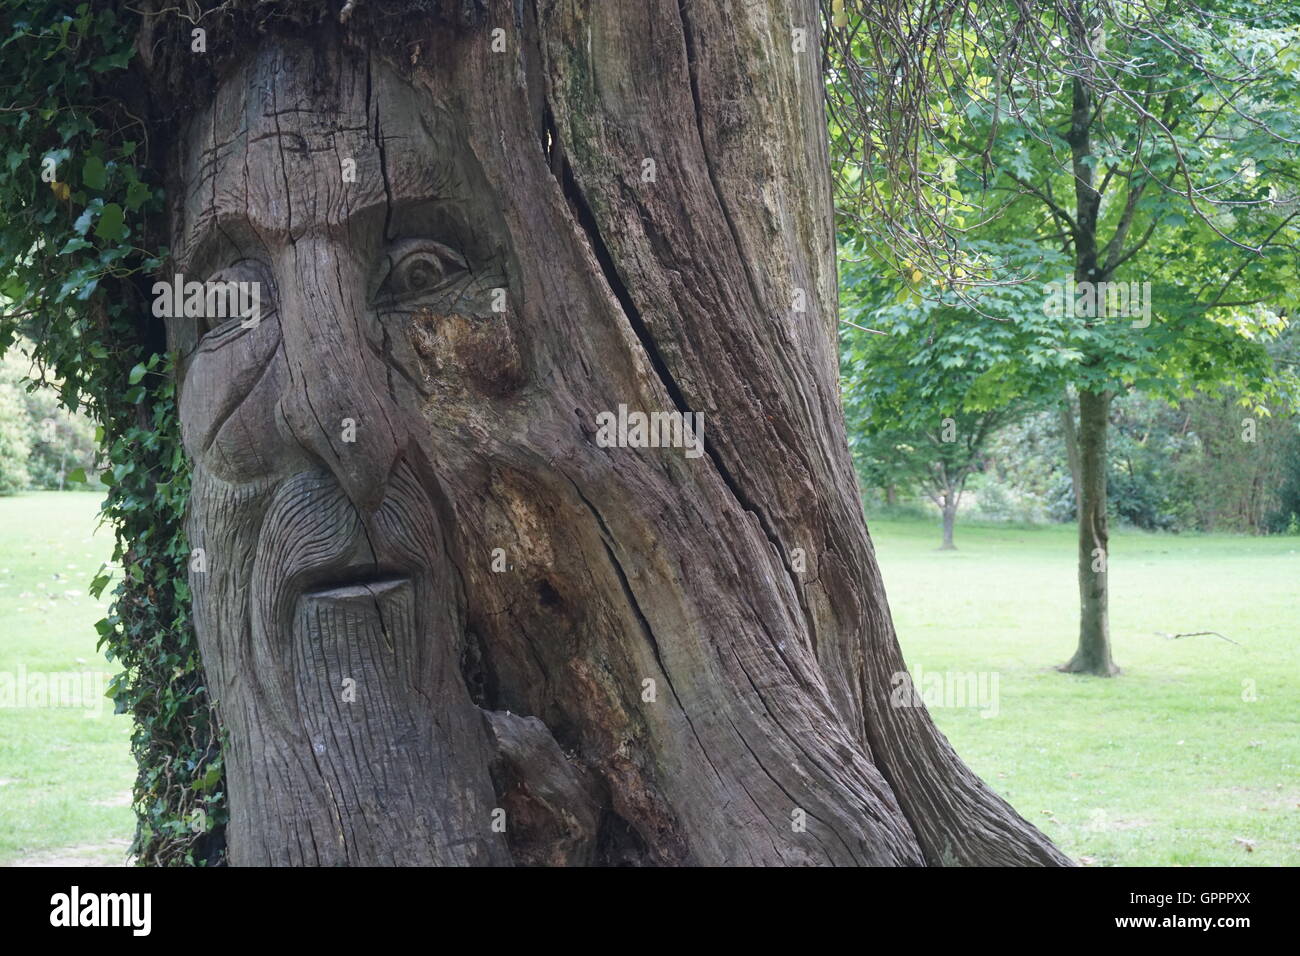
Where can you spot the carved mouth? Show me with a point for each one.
(372, 586)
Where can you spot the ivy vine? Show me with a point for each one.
(79, 240)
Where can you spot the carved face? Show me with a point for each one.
(327, 602)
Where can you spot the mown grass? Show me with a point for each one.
(65, 771)
(1190, 757)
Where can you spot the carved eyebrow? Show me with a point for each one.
(424, 196)
(229, 235)
(216, 238)
(217, 235)
(441, 220)
(229, 219)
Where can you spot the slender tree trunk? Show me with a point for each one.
(949, 519)
(632, 197)
(1093, 653)
(1070, 434)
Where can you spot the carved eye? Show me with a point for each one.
(240, 294)
(419, 268)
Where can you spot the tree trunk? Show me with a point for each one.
(1069, 433)
(949, 519)
(623, 209)
(1088, 462)
(1093, 653)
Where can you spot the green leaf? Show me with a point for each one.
(137, 194)
(137, 373)
(93, 173)
(112, 223)
(76, 476)
(75, 244)
(210, 779)
(82, 225)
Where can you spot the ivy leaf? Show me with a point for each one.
(76, 476)
(136, 195)
(112, 223)
(209, 780)
(93, 173)
(82, 225)
(137, 373)
(75, 244)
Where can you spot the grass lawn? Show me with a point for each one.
(65, 776)
(1190, 757)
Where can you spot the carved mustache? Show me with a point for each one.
(313, 537)
(314, 544)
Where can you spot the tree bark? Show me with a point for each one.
(949, 520)
(1070, 435)
(1093, 653)
(700, 644)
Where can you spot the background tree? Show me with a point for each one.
(1144, 142)
(920, 379)
(61, 442)
(14, 446)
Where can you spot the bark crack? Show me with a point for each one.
(789, 796)
(586, 221)
(635, 605)
(688, 38)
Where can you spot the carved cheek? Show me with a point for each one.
(227, 404)
(248, 445)
(458, 352)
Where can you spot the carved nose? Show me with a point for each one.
(336, 404)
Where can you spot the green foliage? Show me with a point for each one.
(63, 445)
(1285, 518)
(179, 793)
(1181, 172)
(928, 387)
(77, 207)
(62, 440)
(1153, 460)
(1162, 123)
(1243, 465)
(1207, 464)
(14, 447)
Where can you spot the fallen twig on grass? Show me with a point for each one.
(1174, 637)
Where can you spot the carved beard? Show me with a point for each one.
(350, 628)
